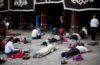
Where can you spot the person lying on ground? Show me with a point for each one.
(80, 48)
(45, 51)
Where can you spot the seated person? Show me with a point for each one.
(74, 39)
(39, 32)
(9, 47)
(36, 34)
(83, 33)
(74, 51)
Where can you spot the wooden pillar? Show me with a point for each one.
(74, 25)
(44, 17)
(22, 21)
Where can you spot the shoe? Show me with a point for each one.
(26, 56)
(64, 62)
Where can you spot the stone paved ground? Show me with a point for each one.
(92, 58)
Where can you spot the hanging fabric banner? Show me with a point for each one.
(55, 0)
(47, 1)
(81, 5)
(21, 5)
(3, 5)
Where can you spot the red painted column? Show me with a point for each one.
(44, 17)
(75, 23)
(22, 21)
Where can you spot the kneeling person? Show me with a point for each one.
(36, 34)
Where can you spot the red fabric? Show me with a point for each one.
(65, 39)
(11, 56)
(17, 55)
(60, 31)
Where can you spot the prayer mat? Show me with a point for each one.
(93, 43)
(13, 34)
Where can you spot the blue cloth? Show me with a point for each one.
(37, 20)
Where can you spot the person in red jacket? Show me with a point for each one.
(61, 32)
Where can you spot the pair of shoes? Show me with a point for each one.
(26, 57)
(64, 62)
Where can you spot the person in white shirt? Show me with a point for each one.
(9, 47)
(94, 23)
(36, 34)
(80, 48)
